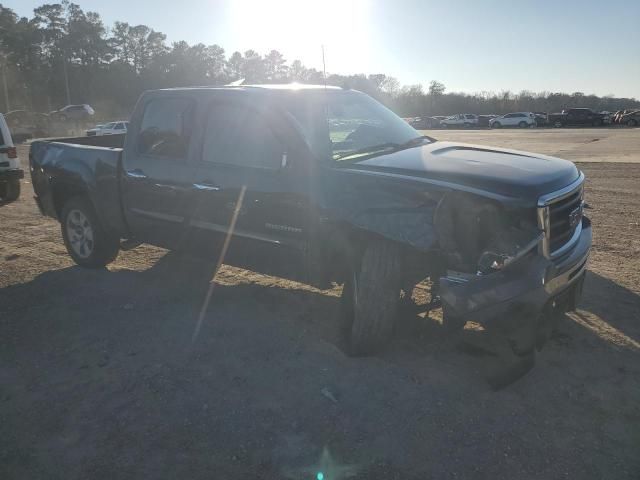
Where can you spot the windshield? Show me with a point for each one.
(345, 124)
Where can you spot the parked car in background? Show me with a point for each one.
(92, 132)
(541, 119)
(460, 120)
(10, 171)
(421, 123)
(631, 119)
(111, 128)
(73, 112)
(617, 116)
(484, 120)
(577, 116)
(515, 119)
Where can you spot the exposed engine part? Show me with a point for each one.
(479, 236)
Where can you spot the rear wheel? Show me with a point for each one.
(370, 298)
(523, 124)
(557, 124)
(496, 125)
(87, 242)
(10, 191)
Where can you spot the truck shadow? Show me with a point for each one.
(176, 287)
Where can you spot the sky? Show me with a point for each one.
(591, 46)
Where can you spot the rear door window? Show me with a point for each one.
(240, 136)
(165, 130)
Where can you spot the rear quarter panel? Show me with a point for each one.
(60, 170)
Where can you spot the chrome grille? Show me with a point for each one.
(560, 217)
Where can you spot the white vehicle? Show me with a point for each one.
(460, 120)
(516, 119)
(111, 128)
(10, 171)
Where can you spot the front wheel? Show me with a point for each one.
(370, 298)
(523, 125)
(87, 242)
(557, 124)
(10, 191)
(496, 125)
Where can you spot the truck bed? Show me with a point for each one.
(81, 166)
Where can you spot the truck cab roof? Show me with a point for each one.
(293, 87)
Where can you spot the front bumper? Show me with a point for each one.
(519, 296)
(14, 173)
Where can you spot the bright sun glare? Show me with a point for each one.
(299, 28)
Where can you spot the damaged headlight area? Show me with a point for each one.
(481, 236)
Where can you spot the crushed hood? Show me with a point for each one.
(510, 173)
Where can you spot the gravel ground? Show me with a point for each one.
(100, 377)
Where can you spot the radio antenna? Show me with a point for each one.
(324, 68)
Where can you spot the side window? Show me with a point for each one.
(238, 135)
(509, 115)
(119, 126)
(166, 127)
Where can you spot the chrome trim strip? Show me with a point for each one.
(558, 195)
(205, 187)
(158, 216)
(237, 232)
(543, 214)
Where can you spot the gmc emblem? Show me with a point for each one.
(575, 216)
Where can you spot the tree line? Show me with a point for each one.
(64, 55)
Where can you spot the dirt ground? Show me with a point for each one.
(100, 377)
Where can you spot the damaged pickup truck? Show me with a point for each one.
(324, 185)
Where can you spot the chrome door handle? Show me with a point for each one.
(205, 187)
(136, 173)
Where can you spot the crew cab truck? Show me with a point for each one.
(10, 171)
(577, 116)
(323, 185)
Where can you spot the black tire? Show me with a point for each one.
(558, 124)
(102, 247)
(496, 125)
(370, 298)
(523, 125)
(10, 191)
